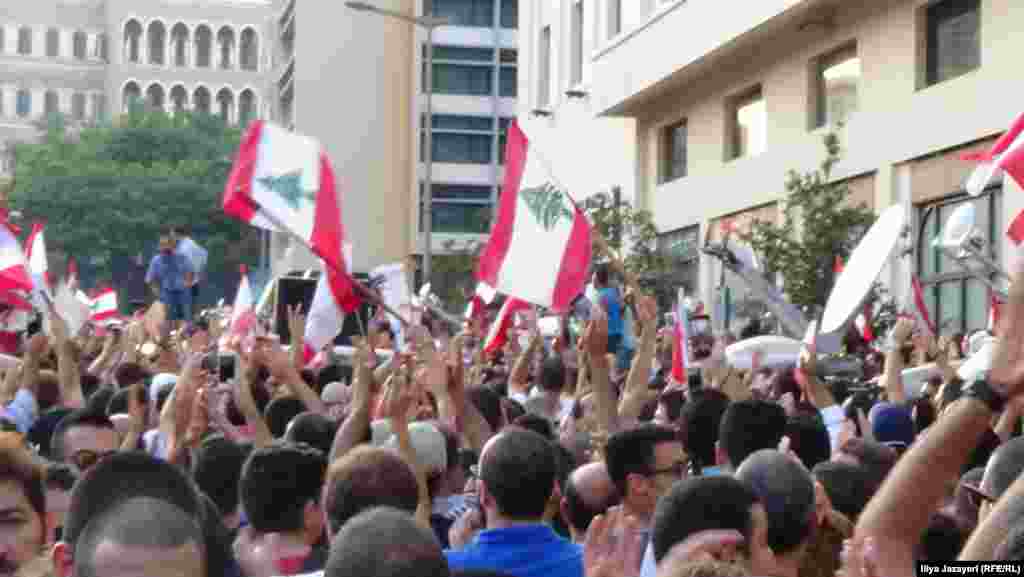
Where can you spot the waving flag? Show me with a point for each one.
(323, 323)
(1006, 155)
(104, 306)
(994, 311)
(243, 313)
(483, 296)
(497, 336)
(71, 275)
(13, 268)
(863, 322)
(287, 177)
(680, 344)
(915, 307)
(539, 249)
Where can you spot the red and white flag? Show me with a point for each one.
(915, 307)
(13, 268)
(243, 313)
(681, 345)
(71, 275)
(1006, 155)
(539, 249)
(994, 311)
(323, 322)
(838, 267)
(863, 322)
(483, 296)
(497, 336)
(35, 252)
(104, 306)
(283, 178)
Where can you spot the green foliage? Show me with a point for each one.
(819, 223)
(106, 191)
(453, 273)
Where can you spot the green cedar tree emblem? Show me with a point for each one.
(289, 187)
(547, 204)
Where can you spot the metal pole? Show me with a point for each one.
(427, 218)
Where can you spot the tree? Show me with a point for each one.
(819, 223)
(106, 191)
(453, 272)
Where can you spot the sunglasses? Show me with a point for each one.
(87, 459)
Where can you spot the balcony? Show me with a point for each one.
(682, 40)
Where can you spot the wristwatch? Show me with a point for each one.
(983, 391)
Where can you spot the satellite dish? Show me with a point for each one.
(958, 228)
(979, 363)
(864, 266)
(775, 351)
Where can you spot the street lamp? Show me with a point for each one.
(429, 23)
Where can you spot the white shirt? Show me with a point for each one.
(833, 417)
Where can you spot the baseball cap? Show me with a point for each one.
(892, 425)
(1002, 469)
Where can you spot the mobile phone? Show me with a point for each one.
(226, 372)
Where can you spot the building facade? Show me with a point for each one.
(727, 97)
(87, 59)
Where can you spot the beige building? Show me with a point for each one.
(728, 95)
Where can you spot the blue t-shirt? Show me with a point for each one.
(520, 551)
(611, 302)
(169, 271)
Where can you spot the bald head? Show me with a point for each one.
(786, 490)
(588, 493)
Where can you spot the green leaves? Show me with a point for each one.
(547, 204)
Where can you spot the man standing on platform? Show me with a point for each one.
(171, 277)
(197, 256)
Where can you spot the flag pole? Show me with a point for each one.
(360, 287)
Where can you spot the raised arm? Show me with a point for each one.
(353, 430)
(638, 394)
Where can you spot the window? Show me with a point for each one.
(462, 70)
(510, 14)
(52, 43)
(179, 99)
(576, 67)
(508, 78)
(25, 41)
(132, 93)
(246, 107)
(956, 301)
(179, 45)
(133, 41)
(23, 103)
(673, 148)
(459, 208)
(614, 18)
(953, 42)
(544, 68)
(51, 103)
(748, 125)
(502, 138)
(681, 248)
(78, 106)
(838, 77)
(101, 46)
(250, 50)
(201, 100)
(79, 44)
(204, 43)
(155, 96)
(157, 38)
(461, 139)
(226, 46)
(465, 12)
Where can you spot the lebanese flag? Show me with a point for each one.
(35, 252)
(243, 315)
(288, 177)
(838, 267)
(104, 305)
(497, 336)
(1006, 155)
(680, 343)
(71, 275)
(323, 322)
(994, 311)
(13, 268)
(863, 322)
(483, 296)
(539, 249)
(916, 309)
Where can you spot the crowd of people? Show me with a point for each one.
(214, 454)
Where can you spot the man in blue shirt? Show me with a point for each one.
(170, 276)
(611, 302)
(518, 469)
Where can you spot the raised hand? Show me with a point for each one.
(613, 546)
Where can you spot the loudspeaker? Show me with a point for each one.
(293, 290)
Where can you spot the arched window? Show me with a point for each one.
(80, 44)
(25, 41)
(157, 36)
(52, 43)
(250, 50)
(133, 41)
(155, 96)
(204, 42)
(130, 94)
(201, 100)
(179, 44)
(226, 48)
(246, 107)
(51, 103)
(226, 104)
(179, 99)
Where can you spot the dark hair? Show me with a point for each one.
(601, 274)
(701, 421)
(848, 486)
(684, 511)
(368, 477)
(513, 408)
(118, 403)
(80, 418)
(632, 451)
(100, 399)
(48, 390)
(923, 413)
(876, 459)
(278, 482)
(860, 400)
(488, 403)
(17, 464)
(128, 374)
(139, 522)
(334, 373)
(786, 490)
(552, 374)
(674, 402)
(749, 426)
(519, 469)
(217, 470)
(60, 476)
(385, 542)
(90, 383)
(809, 439)
(280, 412)
(952, 391)
(312, 429)
(942, 540)
(537, 424)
